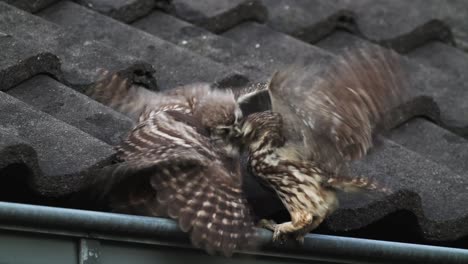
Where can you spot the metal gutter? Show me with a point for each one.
(159, 231)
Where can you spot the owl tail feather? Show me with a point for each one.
(355, 184)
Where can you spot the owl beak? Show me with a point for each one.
(236, 131)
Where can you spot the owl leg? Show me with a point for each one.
(271, 225)
(300, 222)
(298, 227)
(315, 223)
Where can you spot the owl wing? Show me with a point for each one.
(336, 111)
(172, 169)
(253, 98)
(120, 94)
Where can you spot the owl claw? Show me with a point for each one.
(279, 233)
(279, 236)
(271, 225)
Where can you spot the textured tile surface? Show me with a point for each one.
(388, 19)
(308, 20)
(218, 15)
(174, 65)
(19, 61)
(63, 151)
(124, 10)
(389, 161)
(73, 108)
(80, 58)
(398, 24)
(30, 5)
(205, 43)
(445, 147)
(50, 134)
(445, 87)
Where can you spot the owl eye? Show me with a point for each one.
(222, 130)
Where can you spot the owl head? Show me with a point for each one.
(220, 114)
(260, 127)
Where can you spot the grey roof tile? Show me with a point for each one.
(450, 60)
(389, 161)
(17, 166)
(80, 58)
(30, 5)
(260, 39)
(421, 186)
(308, 20)
(15, 150)
(73, 108)
(433, 30)
(174, 65)
(124, 10)
(19, 61)
(311, 21)
(446, 89)
(389, 19)
(420, 160)
(203, 42)
(446, 58)
(434, 143)
(218, 15)
(277, 48)
(63, 152)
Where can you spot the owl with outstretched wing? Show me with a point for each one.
(179, 162)
(320, 118)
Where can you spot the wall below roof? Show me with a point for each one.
(29, 247)
(40, 234)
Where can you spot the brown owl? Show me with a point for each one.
(320, 119)
(179, 162)
(217, 110)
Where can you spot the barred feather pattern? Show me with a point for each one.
(212, 106)
(333, 114)
(170, 168)
(319, 120)
(307, 191)
(118, 93)
(211, 208)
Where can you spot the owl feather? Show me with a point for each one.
(175, 164)
(170, 168)
(321, 118)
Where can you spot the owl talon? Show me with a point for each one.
(278, 236)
